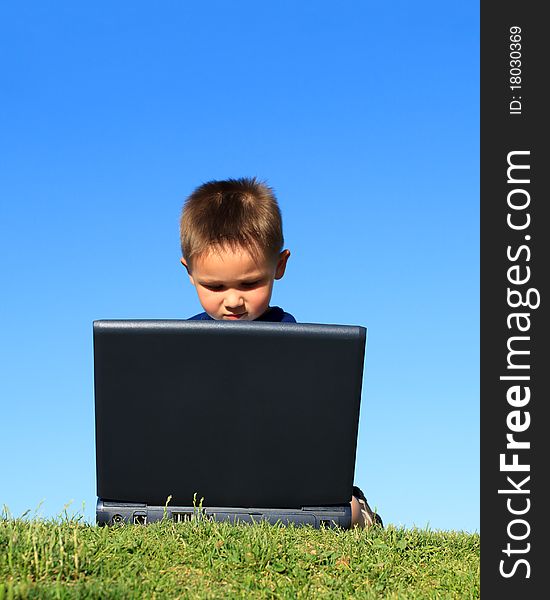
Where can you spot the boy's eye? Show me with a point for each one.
(217, 288)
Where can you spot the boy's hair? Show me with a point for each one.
(236, 213)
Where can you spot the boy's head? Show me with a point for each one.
(232, 245)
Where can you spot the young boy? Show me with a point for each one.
(232, 245)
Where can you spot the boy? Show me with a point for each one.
(232, 245)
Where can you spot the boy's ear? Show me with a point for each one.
(281, 264)
(184, 263)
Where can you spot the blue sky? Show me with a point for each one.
(364, 118)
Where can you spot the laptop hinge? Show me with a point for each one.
(338, 508)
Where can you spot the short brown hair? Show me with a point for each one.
(236, 213)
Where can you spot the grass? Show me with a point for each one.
(66, 558)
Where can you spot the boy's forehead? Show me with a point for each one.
(229, 263)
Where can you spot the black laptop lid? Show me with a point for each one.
(246, 414)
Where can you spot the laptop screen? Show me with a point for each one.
(249, 414)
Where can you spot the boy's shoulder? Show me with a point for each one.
(274, 315)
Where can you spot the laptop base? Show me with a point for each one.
(111, 513)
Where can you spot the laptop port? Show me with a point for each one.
(116, 519)
(181, 517)
(140, 519)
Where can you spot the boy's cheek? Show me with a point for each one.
(203, 298)
(207, 298)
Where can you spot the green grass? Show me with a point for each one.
(64, 558)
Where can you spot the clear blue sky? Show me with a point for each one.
(363, 116)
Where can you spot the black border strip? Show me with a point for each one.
(514, 128)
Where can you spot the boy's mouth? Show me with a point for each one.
(234, 316)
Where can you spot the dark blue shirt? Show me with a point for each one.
(274, 315)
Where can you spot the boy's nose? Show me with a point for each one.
(233, 300)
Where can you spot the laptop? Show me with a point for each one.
(233, 421)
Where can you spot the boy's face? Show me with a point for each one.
(232, 286)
